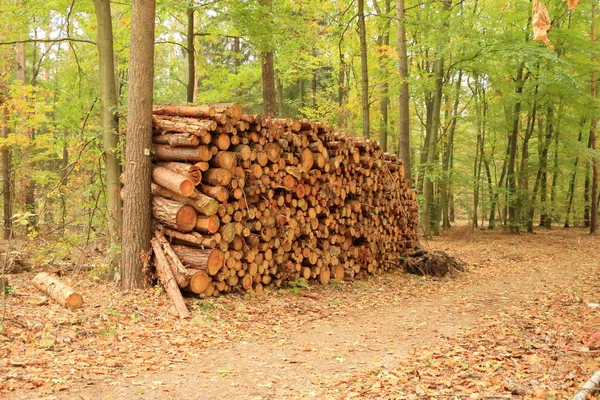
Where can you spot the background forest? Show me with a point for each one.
(501, 126)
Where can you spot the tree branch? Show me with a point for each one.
(47, 41)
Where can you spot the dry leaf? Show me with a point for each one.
(541, 22)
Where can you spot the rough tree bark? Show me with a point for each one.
(110, 125)
(6, 164)
(403, 100)
(594, 196)
(513, 215)
(191, 52)
(362, 33)
(137, 220)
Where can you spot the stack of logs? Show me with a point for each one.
(246, 202)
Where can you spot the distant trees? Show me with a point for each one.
(497, 129)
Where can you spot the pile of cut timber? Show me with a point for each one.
(245, 201)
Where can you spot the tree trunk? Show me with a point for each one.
(191, 53)
(384, 41)
(364, 68)
(6, 175)
(594, 194)
(571, 193)
(110, 126)
(268, 84)
(447, 181)
(545, 145)
(137, 223)
(513, 216)
(430, 223)
(403, 98)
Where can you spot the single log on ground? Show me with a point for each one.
(207, 260)
(435, 263)
(173, 214)
(172, 181)
(202, 203)
(58, 291)
(165, 274)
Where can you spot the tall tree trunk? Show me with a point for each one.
(364, 68)
(545, 146)
(513, 217)
(268, 84)
(523, 182)
(110, 126)
(447, 180)
(383, 40)
(538, 179)
(280, 103)
(403, 99)
(553, 188)
(137, 216)
(571, 193)
(428, 213)
(191, 52)
(6, 172)
(595, 161)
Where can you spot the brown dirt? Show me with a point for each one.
(318, 343)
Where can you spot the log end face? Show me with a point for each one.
(74, 301)
(186, 218)
(215, 261)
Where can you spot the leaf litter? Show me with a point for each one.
(516, 324)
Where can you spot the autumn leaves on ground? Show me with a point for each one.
(516, 324)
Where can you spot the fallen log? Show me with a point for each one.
(58, 291)
(591, 387)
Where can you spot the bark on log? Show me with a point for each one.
(192, 172)
(218, 193)
(165, 152)
(165, 274)
(58, 291)
(173, 214)
(202, 203)
(192, 238)
(184, 111)
(177, 139)
(207, 260)
(172, 181)
(179, 272)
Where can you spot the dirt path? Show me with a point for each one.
(371, 326)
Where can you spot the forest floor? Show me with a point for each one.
(515, 324)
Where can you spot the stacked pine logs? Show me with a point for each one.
(248, 202)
